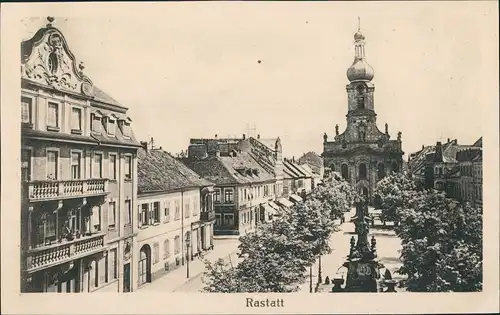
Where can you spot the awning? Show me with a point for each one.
(273, 205)
(285, 203)
(296, 198)
(270, 211)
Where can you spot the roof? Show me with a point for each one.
(268, 142)
(158, 171)
(293, 171)
(229, 170)
(101, 96)
(311, 158)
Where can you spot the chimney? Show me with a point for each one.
(448, 140)
(258, 136)
(215, 136)
(244, 137)
(422, 146)
(438, 155)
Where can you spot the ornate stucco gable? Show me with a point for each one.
(47, 60)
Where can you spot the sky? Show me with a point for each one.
(192, 70)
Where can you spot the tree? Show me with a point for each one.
(441, 244)
(336, 196)
(276, 256)
(395, 191)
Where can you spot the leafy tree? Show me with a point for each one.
(335, 196)
(275, 257)
(441, 244)
(395, 191)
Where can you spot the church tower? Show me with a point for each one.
(362, 154)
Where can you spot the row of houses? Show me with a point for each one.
(102, 211)
(454, 168)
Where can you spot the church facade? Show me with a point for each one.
(362, 154)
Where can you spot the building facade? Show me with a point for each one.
(248, 174)
(78, 173)
(362, 153)
(450, 167)
(297, 182)
(175, 215)
(315, 164)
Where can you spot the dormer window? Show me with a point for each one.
(125, 126)
(111, 125)
(96, 122)
(255, 172)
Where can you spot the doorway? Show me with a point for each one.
(126, 277)
(144, 264)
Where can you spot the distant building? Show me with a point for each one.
(248, 173)
(362, 153)
(175, 209)
(316, 164)
(78, 174)
(450, 167)
(297, 182)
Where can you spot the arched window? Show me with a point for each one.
(166, 249)
(360, 98)
(332, 167)
(364, 191)
(381, 171)
(395, 167)
(345, 171)
(362, 171)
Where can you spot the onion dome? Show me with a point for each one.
(360, 71)
(359, 36)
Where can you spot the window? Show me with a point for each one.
(345, 171)
(113, 264)
(177, 210)
(76, 119)
(177, 245)
(218, 219)
(111, 126)
(301, 183)
(53, 115)
(96, 218)
(125, 127)
(381, 171)
(217, 195)
(112, 166)
(112, 215)
(143, 214)
(156, 253)
(52, 164)
(228, 219)
(166, 249)
(97, 166)
(166, 211)
(26, 110)
(156, 212)
(128, 212)
(96, 122)
(228, 195)
(25, 165)
(187, 210)
(128, 167)
(75, 165)
(46, 229)
(362, 171)
(195, 206)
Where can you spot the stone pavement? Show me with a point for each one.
(176, 279)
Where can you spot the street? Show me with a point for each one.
(388, 245)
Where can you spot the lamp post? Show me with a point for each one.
(188, 243)
(320, 280)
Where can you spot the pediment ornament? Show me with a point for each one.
(51, 63)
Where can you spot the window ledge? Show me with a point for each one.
(76, 131)
(156, 223)
(112, 229)
(143, 227)
(128, 180)
(27, 125)
(53, 128)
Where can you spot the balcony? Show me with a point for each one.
(207, 216)
(65, 189)
(48, 256)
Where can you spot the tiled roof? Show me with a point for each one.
(311, 158)
(228, 170)
(159, 171)
(101, 96)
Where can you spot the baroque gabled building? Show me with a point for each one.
(78, 175)
(362, 153)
